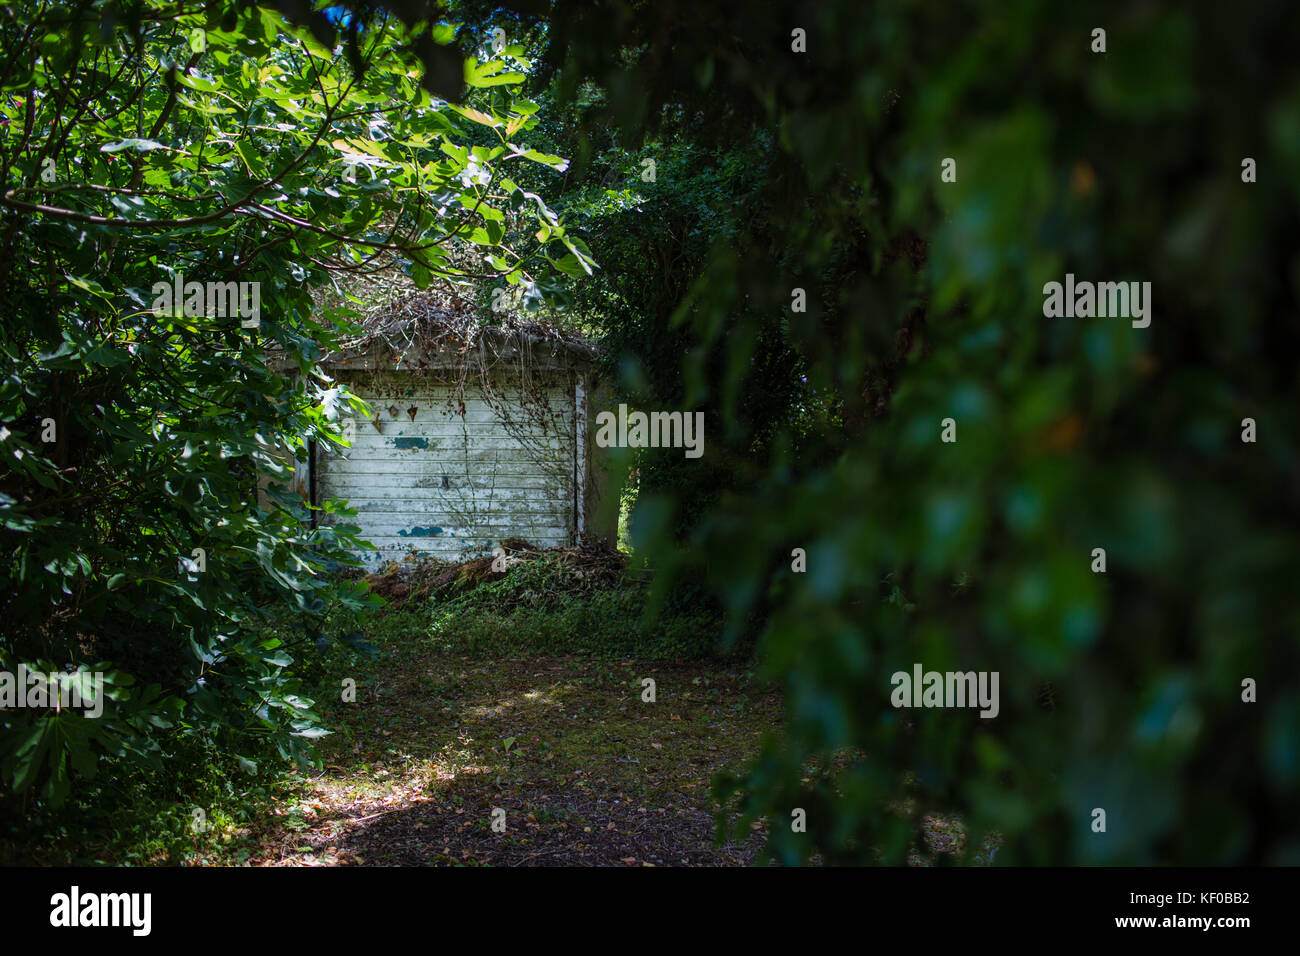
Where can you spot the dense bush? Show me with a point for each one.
(140, 145)
(543, 604)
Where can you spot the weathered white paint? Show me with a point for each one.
(450, 484)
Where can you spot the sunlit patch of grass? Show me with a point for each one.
(450, 732)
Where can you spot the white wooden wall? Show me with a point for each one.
(448, 485)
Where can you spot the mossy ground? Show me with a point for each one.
(521, 692)
(586, 770)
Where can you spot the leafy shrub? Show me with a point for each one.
(539, 606)
(146, 146)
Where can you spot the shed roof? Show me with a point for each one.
(426, 330)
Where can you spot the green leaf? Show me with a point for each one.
(571, 265)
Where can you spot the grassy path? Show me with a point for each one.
(586, 771)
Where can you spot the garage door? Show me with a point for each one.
(446, 473)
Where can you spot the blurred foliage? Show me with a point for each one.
(924, 303)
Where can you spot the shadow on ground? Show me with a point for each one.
(564, 752)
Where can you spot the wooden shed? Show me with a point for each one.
(478, 433)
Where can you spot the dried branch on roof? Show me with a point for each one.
(426, 330)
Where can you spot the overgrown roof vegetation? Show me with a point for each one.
(431, 323)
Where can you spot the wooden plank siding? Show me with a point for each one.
(453, 482)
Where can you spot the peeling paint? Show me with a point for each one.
(469, 477)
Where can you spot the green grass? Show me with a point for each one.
(540, 606)
(587, 770)
(522, 692)
(463, 646)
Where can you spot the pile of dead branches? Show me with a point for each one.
(423, 321)
(594, 565)
(586, 567)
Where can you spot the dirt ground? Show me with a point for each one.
(585, 770)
